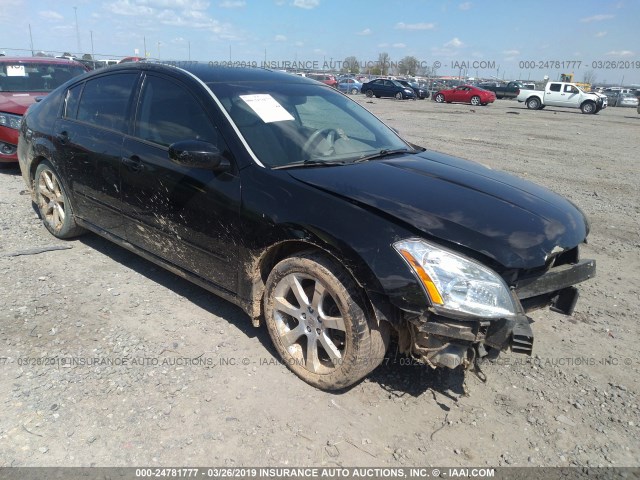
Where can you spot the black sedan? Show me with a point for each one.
(421, 93)
(292, 201)
(382, 87)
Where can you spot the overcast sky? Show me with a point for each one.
(602, 35)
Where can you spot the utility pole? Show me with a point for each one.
(189, 45)
(144, 39)
(75, 9)
(91, 32)
(31, 40)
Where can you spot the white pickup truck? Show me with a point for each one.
(563, 94)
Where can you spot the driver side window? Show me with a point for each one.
(169, 113)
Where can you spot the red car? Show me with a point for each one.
(22, 79)
(326, 79)
(465, 94)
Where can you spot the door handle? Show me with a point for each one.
(63, 137)
(133, 163)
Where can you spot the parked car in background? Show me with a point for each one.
(384, 87)
(131, 59)
(22, 79)
(324, 78)
(90, 64)
(421, 93)
(627, 100)
(107, 62)
(612, 97)
(503, 90)
(296, 203)
(349, 85)
(465, 94)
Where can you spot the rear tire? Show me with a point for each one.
(53, 203)
(534, 103)
(319, 323)
(439, 98)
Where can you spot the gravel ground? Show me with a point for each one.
(159, 372)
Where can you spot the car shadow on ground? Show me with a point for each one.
(401, 375)
(192, 292)
(10, 169)
(398, 374)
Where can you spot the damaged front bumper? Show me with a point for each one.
(450, 342)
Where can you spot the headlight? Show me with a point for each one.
(456, 283)
(11, 121)
(406, 90)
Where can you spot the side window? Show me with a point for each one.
(105, 100)
(570, 89)
(169, 113)
(72, 101)
(555, 87)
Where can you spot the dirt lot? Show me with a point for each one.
(134, 395)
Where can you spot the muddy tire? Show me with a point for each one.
(53, 203)
(319, 322)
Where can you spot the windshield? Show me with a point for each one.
(35, 77)
(292, 124)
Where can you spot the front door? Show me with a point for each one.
(188, 216)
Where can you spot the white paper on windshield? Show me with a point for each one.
(15, 71)
(266, 107)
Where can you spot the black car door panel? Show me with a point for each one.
(188, 216)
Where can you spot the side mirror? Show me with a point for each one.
(198, 154)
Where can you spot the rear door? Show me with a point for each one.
(553, 95)
(89, 137)
(188, 216)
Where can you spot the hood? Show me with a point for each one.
(18, 102)
(513, 221)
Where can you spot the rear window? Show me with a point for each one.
(35, 77)
(105, 100)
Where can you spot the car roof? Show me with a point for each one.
(216, 74)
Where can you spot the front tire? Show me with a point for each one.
(354, 91)
(588, 107)
(53, 203)
(319, 324)
(369, 93)
(475, 101)
(398, 96)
